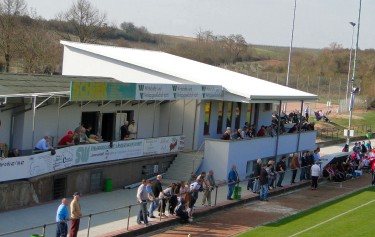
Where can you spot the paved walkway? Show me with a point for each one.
(104, 223)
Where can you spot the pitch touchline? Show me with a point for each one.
(312, 227)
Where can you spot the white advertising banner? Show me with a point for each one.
(177, 92)
(43, 163)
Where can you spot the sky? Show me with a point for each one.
(318, 23)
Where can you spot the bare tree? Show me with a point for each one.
(235, 44)
(11, 34)
(88, 24)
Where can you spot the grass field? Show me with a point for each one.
(352, 215)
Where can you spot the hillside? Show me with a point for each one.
(324, 72)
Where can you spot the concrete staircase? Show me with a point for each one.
(184, 164)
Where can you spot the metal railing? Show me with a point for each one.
(335, 133)
(220, 196)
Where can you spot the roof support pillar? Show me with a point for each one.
(183, 118)
(33, 126)
(300, 125)
(278, 131)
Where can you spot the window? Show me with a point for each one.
(238, 115)
(229, 114)
(207, 113)
(220, 112)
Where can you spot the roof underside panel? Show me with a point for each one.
(29, 84)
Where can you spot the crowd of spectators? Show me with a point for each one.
(177, 199)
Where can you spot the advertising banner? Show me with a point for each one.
(43, 163)
(97, 91)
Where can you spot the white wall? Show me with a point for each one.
(189, 123)
(265, 117)
(216, 158)
(221, 155)
(5, 118)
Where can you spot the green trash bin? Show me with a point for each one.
(368, 135)
(36, 235)
(108, 185)
(237, 192)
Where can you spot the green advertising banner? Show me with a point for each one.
(96, 91)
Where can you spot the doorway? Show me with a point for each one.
(91, 119)
(108, 128)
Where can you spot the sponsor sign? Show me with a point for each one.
(96, 91)
(43, 163)
(177, 92)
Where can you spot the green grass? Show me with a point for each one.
(367, 118)
(351, 222)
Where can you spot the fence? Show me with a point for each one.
(124, 213)
(335, 133)
(327, 88)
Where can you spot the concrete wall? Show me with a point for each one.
(40, 189)
(220, 155)
(5, 118)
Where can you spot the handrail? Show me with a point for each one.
(89, 216)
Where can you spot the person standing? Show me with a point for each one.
(316, 154)
(156, 190)
(75, 215)
(263, 182)
(210, 185)
(307, 111)
(232, 180)
(281, 168)
(258, 168)
(62, 216)
(294, 166)
(142, 197)
(132, 129)
(124, 130)
(304, 165)
(315, 173)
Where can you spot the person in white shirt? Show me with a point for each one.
(132, 129)
(315, 173)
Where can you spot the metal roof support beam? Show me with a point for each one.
(278, 130)
(33, 126)
(183, 117)
(38, 105)
(83, 105)
(58, 119)
(300, 125)
(104, 105)
(121, 104)
(153, 121)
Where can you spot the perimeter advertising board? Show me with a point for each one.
(43, 163)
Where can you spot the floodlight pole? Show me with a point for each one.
(353, 91)
(350, 63)
(290, 51)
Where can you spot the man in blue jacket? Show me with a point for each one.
(62, 216)
(232, 180)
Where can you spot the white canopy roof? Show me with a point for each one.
(180, 70)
